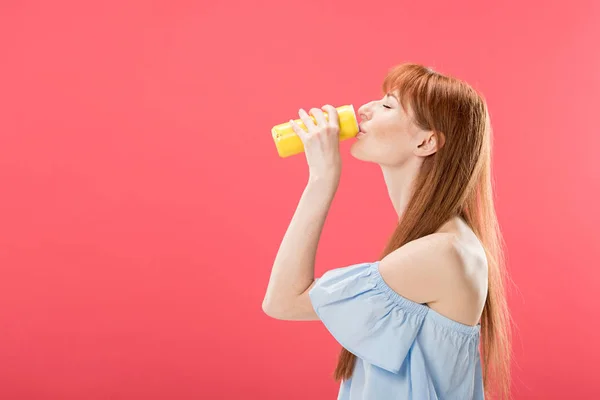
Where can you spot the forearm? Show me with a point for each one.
(294, 266)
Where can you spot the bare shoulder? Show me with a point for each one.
(464, 299)
(444, 270)
(420, 269)
(428, 251)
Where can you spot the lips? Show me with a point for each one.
(361, 131)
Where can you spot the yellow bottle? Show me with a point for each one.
(288, 142)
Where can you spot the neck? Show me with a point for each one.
(399, 181)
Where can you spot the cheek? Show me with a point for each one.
(393, 137)
(394, 146)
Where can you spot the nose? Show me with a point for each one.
(364, 112)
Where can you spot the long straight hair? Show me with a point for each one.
(454, 181)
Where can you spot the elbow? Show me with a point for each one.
(266, 309)
(272, 312)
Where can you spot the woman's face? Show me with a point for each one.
(387, 134)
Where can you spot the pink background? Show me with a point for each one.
(143, 201)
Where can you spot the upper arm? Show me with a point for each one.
(423, 269)
(299, 309)
(419, 271)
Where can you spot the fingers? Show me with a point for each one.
(319, 116)
(298, 130)
(332, 115)
(310, 125)
(331, 121)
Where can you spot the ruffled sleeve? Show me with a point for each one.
(366, 316)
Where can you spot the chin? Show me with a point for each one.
(356, 150)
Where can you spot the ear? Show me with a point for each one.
(431, 143)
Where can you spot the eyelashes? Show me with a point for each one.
(387, 106)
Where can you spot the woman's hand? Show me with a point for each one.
(321, 144)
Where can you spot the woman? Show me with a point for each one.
(429, 320)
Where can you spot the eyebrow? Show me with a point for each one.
(391, 95)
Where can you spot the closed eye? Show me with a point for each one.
(387, 106)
